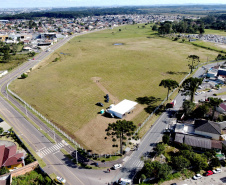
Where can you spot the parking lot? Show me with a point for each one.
(215, 179)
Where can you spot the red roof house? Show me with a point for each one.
(9, 157)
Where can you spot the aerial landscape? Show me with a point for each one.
(113, 92)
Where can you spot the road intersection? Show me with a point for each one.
(55, 160)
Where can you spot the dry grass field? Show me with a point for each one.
(67, 90)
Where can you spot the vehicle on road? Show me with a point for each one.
(60, 180)
(208, 173)
(197, 176)
(217, 170)
(116, 166)
(123, 181)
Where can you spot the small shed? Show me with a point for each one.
(122, 108)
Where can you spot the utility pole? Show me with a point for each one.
(54, 135)
(26, 110)
(76, 156)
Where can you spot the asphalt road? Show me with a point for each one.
(153, 136)
(55, 160)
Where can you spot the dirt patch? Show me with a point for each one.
(97, 80)
(221, 45)
(93, 134)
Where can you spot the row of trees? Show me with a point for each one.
(185, 26)
(217, 22)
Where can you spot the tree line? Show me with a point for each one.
(184, 26)
(77, 13)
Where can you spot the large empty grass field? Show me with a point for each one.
(65, 91)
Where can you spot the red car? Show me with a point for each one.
(208, 173)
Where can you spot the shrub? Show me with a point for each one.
(23, 76)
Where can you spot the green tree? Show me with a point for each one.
(156, 169)
(214, 102)
(1, 130)
(23, 76)
(201, 111)
(160, 148)
(201, 29)
(154, 27)
(199, 162)
(3, 170)
(193, 59)
(215, 162)
(187, 154)
(31, 54)
(166, 138)
(14, 49)
(208, 155)
(188, 107)
(180, 162)
(190, 86)
(164, 171)
(169, 84)
(121, 129)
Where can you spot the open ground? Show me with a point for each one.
(66, 90)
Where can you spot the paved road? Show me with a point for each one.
(153, 136)
(55, 160)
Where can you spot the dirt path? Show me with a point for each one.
(93, 133)
(98, 83)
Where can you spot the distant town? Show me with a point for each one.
(46, 31)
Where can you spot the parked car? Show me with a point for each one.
(217, 170)
(208, 173)
(116, 166)
(197, 176)
(100, 104)
(60, 180)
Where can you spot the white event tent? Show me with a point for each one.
(122, 108)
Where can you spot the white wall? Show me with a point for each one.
(214, 136)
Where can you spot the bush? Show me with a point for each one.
(3, 170)
(23, 76)
(165, 138)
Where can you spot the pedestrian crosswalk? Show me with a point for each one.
(45, 151)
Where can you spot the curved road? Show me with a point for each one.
(55, 160)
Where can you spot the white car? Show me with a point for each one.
(116, 166)
(197, 176)
(60, 180)
(217, 170)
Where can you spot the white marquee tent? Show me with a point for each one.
(122, 108)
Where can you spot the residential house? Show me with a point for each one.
(10, 158)
(221, 108)
(197, 141)
(208, 129)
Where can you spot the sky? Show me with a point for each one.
(79, 3)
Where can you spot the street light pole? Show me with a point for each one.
(76, 156)
(54, 135)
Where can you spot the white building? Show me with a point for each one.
(122, 108)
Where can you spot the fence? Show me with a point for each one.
(147, 119)
(68, 137)
(43, 117)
